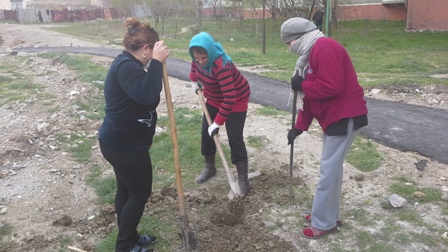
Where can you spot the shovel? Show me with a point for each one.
(189, 240)
(291, 154)
(234, 186)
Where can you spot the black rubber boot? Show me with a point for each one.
(209, 170)
(243, 180)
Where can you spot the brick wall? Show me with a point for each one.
(427, 15)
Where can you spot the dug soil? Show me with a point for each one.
(45, 197)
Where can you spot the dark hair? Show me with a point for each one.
(138, 33)
(198, 49)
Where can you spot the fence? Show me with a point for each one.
(64, 15)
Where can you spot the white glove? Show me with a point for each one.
(213, 129)
(196, 86)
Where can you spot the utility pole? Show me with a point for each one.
(327, 15)
(264, 28)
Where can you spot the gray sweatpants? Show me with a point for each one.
(325, 209)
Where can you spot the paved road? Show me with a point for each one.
(400, 126)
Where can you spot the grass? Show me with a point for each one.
(87, 71)
(369, 47)
(270, 111)
(15, 86)
(79, 145)
(189, 135)
(407, 189)
(382, 52)
(364, 155)
(5, 230)
(256, 142)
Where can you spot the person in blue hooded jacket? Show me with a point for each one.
(227, 94)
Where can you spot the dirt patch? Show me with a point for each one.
(46, 199)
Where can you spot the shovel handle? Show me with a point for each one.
(169, 104)
(233, 184)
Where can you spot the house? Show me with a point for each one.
(5, 5)
(418, 14)
(49, 4)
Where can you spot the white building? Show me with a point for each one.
(50, 4)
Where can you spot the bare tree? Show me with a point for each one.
(294, 8)
(333, 24)
(190, 12)
(126, 6)
(274, 8)
(160, 10)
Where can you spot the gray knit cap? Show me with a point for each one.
(294, 28)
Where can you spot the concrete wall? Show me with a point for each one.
(247, 13)
(371, 12)
(418, 14)
(46, 15)
(427, 15)
(34, 16)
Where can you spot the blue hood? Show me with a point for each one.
(213, 49)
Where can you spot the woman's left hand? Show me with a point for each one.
(160, 51)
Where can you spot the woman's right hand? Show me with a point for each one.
(160, 51)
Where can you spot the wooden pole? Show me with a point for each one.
(189, 240)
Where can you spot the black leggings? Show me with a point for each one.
(234, 127)
(133, 172)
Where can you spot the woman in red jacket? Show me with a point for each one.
(328, 90)
(227, 92)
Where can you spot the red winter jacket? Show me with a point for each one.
(332, 91)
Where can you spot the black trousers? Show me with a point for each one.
(234, 127)
(133, 172)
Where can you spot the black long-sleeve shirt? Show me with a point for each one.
(132, 96)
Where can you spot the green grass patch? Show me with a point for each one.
(94, 107)
(406, 189)
(188, 127)
(5, 230)
(15, 86)
(360, 216)
(382, 52)
(108, 243)
(445, 210)
(270, 111)
(364, 155)
(305, 196)
(86, 70)
(257, 142)
(105, 189)
(188, 131)
(409, 216)
(156, 224)
(365, 240)
(79, 145)
(65, 241)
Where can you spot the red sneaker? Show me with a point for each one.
(314, 233)
(308, 218)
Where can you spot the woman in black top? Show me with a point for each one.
(132, 94)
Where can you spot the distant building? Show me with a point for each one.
(5, 5)
(418, 14)
(52, 4)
